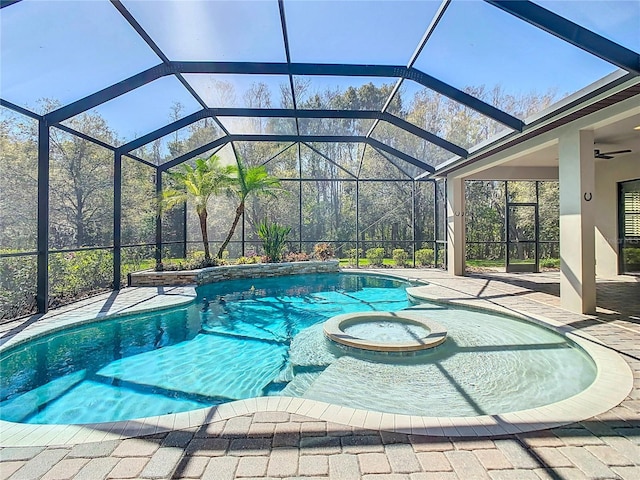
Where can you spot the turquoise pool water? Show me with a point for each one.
(249, 338)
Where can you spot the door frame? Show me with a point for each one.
(622, 239)
(523, 267)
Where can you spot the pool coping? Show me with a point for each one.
(614, 381)
(333, 330)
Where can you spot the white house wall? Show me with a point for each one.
(608, 174)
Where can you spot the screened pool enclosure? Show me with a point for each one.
(354, 106)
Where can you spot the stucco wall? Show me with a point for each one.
(608, 174)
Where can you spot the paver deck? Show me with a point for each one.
(280, 444)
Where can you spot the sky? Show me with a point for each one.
(66, 50)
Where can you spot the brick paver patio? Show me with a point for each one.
(285, 445)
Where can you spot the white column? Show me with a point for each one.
(455, 226)
(577, 234)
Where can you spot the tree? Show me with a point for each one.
(249, 180)
(176, 146)
(81, 191)
(200, 183)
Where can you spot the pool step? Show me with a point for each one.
(310, 348)
(300, 384)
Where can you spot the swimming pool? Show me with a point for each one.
(264, 337)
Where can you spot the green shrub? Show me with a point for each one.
(550, 262)
(193, 263)
(273, 238)
(400, 257)
(250, 260)
(631, 256)
(76, 274)
(375, 256)
(18, 277)
(352, 253)
(135, 259)
(323, 251)
(424, 257)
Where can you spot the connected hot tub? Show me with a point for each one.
(385, 331)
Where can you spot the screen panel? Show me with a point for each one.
(138, 203)
(76, 274)
(145, 109)
(328, 211)
(181, 141)
(80, 193)
(451, 120)
(64, 51)
(376, 165)
(315, 163)
(319, 31)
(241, 91)
(215, 31)
(477, 45)
(18, 285)
(18, 182)
(320, 92)
(385, 216)
(613, 19)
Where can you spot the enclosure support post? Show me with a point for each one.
(299, 198)
(117, 218)
(577, 229)
(455, 226)
(357, 223)
(537, 227)
(436, 217)
(184, 231)
(42, 293)
(413, 219)
(158, 220)
(506, 224)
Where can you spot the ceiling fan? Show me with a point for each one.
(608, 155)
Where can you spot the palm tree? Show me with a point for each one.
(198, 185)
(249, 180)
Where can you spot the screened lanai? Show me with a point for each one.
(362, 109)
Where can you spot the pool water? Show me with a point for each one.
(249, 338)
(180, 359)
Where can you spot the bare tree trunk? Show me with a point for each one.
(239, 212)
(205, 235)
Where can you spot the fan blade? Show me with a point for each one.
(606, 157)
(615, 153)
